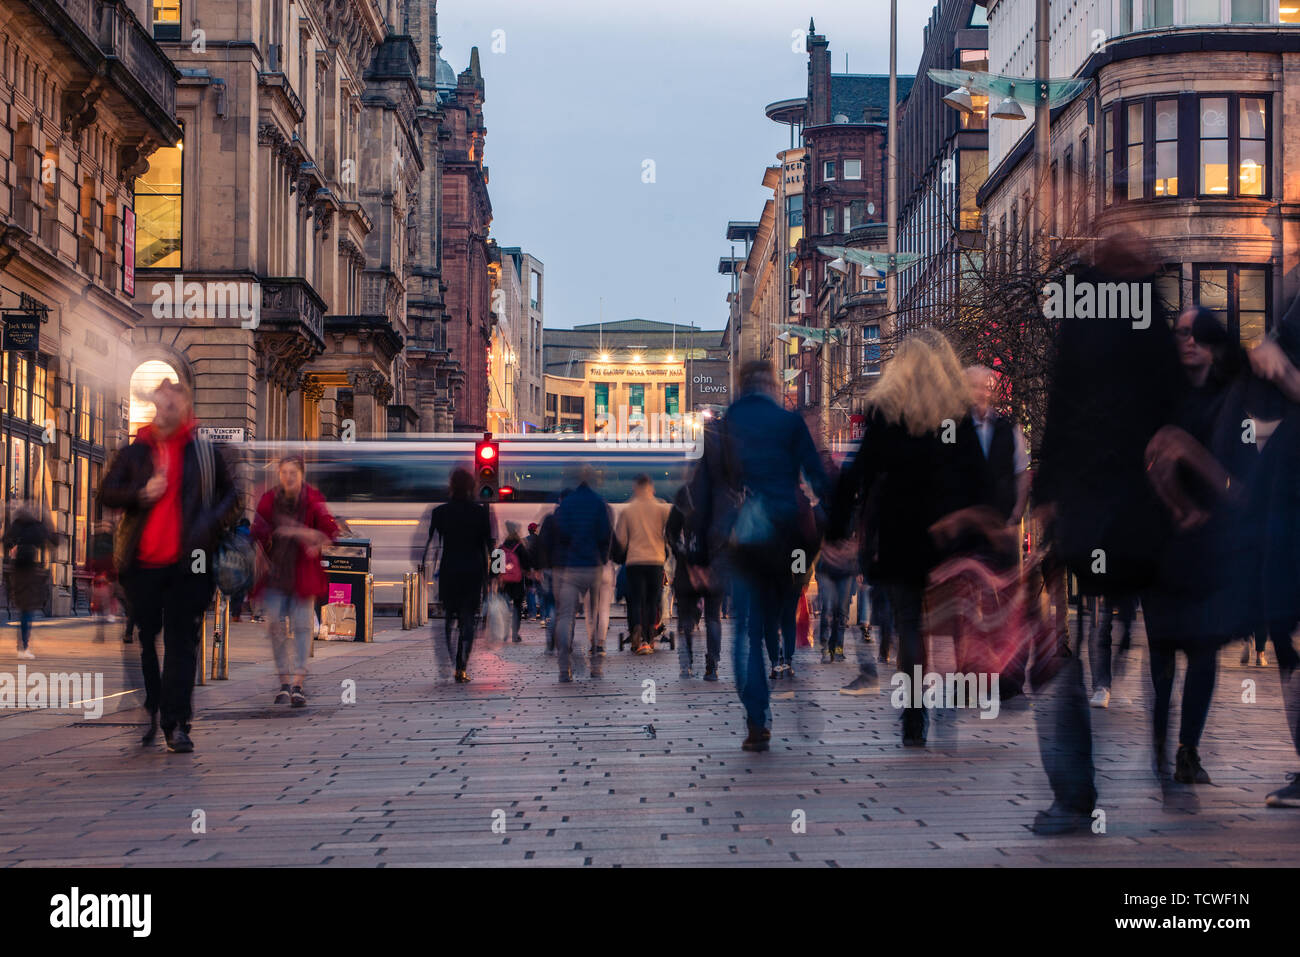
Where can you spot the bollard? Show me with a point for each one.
(421, 600)
(202, 677)
(406, 601)
(223, 604)
(218, 639)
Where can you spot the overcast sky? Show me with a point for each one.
(587, 90)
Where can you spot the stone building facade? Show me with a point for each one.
(1183, 136)
(86, 98)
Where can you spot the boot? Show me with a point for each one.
(757, 739)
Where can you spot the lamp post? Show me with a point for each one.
(891, 199)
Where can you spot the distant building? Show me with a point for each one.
(519, 329)
(631, 370)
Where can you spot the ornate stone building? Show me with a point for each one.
(86, 97)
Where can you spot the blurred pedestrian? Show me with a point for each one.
(748, 501)
(640, 534)
(921, 438)
(292, 525)
(516, 566)
(179, 501)
(532, 580)
(1110, 607)
(29, 533)
(103, 572)
(583, 532)
(464, 528)
(694, 586)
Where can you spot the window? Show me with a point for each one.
(1253, 11)
(848, 217)
(1169, 288)
(1085, 171)
(1134, 167)
(158, 211)
(794, 211)
(672, 402)
(1158, 13)
(601, 398)
(1203, 11)
(828, 220)
(871, 350)
(636, 398)
(1238, 294)
(1107, 155)
(828, 171)
(1166, 148)
(1253, 146)
(858, 210)
(1214, 145)
(535, 295)
(1125, 16)
(853, 169)
(166, 19)
(1290, 12)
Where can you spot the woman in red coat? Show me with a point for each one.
(292, 526)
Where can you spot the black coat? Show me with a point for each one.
(921, 479)
(465, 528)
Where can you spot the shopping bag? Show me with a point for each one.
(496, 620)
(339, 622)
(803, 622)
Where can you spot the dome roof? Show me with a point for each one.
(444, 77)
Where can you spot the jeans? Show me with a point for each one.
(169, 600)
(463, 617)
(25, 619)
(1065, 737)
(755, 611)
(688, 617)
(532, 599)
(882, 615)
(571, 586)
(1100, 651)
(836, 591)
(514, 592)
(290, 648)
(781, 652)
(644, 594)
(548, 607)
(598, 616)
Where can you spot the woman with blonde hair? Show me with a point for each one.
(921, 446)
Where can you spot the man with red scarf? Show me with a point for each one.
(171, 527)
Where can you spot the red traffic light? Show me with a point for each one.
(486, 452)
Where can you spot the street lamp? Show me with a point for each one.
(1009, 109)
(959, 99)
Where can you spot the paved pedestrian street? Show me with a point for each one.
(638, 767)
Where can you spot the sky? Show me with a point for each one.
(581, 93)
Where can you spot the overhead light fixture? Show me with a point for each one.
(838, 265)
(1009, 109)
(784, 337)
(959, 99)
(867, 271)
(604, 357)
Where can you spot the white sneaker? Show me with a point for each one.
(1101, 698)
(27, 655)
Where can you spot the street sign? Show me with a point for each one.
(213, 434)
(128, 252)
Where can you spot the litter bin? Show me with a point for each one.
(349, 612)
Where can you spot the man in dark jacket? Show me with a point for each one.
(178, 500)
(582, 534)
(762, 450)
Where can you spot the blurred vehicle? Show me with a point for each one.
(384, 490)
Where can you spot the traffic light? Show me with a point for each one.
(487, 468)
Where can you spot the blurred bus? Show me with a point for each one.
(384, 490)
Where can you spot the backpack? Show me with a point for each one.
(514, 571)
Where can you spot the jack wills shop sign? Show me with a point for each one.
(22, 332)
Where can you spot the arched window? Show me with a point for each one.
(144, 380)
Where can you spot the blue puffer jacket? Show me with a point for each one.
(582, 530)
